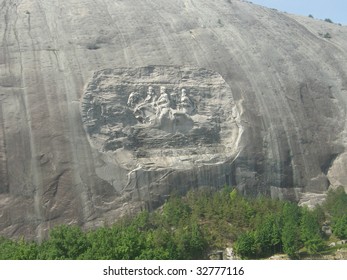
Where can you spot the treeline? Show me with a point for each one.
(194, 226)
(293, 230)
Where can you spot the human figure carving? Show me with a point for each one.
(163, 103)
(134, 98)
(175, 98)
(151, 96)
(145, 111)
(186, 105)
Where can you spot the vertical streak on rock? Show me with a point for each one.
(3, 157)
(32, 177)
(34, 171)
(79, 149)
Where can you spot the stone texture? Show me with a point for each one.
(283, 93)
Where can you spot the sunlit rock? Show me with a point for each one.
(237, 94)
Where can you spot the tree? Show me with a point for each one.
(246, 246)
(102, 244)
(197, 242)
(26, 250)
(310, 232)
(336, 202)
(315, 245)
(66, 242)
(309, 225)
(340, 226)
(290, 239)
(129, 243)
(268, 235)
(291, 233)
(176, 211)
(8, 249)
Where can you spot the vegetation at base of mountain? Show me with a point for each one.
(296, 230)
(192, 226)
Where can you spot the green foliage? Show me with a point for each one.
(309, 225)
(290, 231)
(264, 240)
(310, 232)
(340, 226)
(176, 211)
(336, 202)
(26, 250)
(268, 235)
(291, 213)
(290, 239)
(246, 246)
(66, 242)
(193, 226)
(190, 242)
(315, 245)
(8, 249)
(328, 20)
(18, 250)
(281, 227)
(336, 207)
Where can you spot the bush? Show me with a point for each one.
(315, 245)
(246, 246)
(66, 242)
(340, 226)
(327, 35)
(336, 203)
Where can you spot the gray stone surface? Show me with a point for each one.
(282, 128)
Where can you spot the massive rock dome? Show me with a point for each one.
(108, 106)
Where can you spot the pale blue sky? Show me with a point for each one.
(336, 10)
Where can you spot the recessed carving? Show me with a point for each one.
(160, 111)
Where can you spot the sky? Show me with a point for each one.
(336, 10)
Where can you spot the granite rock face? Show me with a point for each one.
(108, 106)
